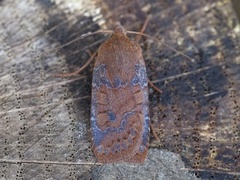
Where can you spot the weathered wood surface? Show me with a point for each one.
(45, 120)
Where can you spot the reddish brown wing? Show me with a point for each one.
(119, 109)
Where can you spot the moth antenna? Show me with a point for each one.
(83, 36)
(165, 44)
(143, 28)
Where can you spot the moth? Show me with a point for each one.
(120, 119)
(119, 106)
